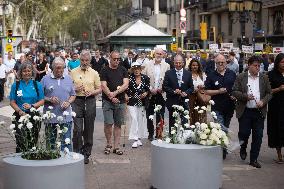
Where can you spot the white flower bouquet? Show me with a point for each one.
(201, 133)
(33, 144)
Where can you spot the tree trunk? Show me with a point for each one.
(31, 28)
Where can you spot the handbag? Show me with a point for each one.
(203, 98)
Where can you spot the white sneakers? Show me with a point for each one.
(136, 144)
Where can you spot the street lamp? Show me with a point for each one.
(246, 11)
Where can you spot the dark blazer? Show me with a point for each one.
(240, 90)
(170, 84)
(126, 64)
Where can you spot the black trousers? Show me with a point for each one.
(2, 82)
(85, 110)
(154, 100)
(251, 120)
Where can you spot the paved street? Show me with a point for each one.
(132, 170)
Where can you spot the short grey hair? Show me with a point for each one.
(87, 54)
(178, 56)
(56, 61)
(23, 66)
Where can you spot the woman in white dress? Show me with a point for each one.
(198, 77)
(137, 95)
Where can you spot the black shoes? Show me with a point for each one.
(86, 159)
(243, 154)
(255, 164)
(150, 138)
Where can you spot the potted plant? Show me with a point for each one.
(41, 156)
(189, 153)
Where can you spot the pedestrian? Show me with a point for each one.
(74, 62)
(128, 61)
(98, 62)
(143, 60)
(40, 67)
(275, 119)
(178, 85)
(87, 87)
(3, 75)
(219, 85)
(10, 63)
(252, 90)
(59, 93)
(233, 63)
(155, 70)
(198, 77)
(137, 98)
(25, 94)
(114, 80)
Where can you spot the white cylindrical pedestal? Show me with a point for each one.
(61, 173)
(186, 166)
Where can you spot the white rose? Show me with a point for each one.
(66, 150)
(32, 109)
(67, 141)
(197, 123)
(187, 100)
(65, 129)
(196, 107)
(203, 142)
(204, 108)
(73, 114)
(206, 131)
(59, 131)
(203, 136)
(209, 142)
(201, 111)
(216, 83)
(12, 126)
(20, 126)
(29, 125)
(34, 148)
(60, 118)
(36, 118)
(211, 102)
(175, 114)
(186, 112)
(204, 126)
(19, 93)
(50, 107)
(75, 156)
(180, 108)
(13, 132)
(58, 144)
(173, 132)
(186, 125)
(213, 113)
(192, 126)
(65, 113)
(176, 125)
(159, 107)
(151, 117)
(168, 140)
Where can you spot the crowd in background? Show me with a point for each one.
(137, 81)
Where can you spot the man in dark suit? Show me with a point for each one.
(129, 60)
(178, 85)
(252, 90)
(98, 62)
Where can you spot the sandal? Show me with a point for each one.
(117, 151)
(107, 149)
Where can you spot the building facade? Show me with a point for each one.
(224, 26)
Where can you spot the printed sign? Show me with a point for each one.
(213, 47)
(228, 46)
(278, 50)
(247, 49)
(258, 46)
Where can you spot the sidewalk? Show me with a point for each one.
(132, 170)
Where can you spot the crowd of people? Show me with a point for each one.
(135, 83)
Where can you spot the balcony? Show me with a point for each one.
(217, 5)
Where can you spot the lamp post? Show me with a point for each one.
(245, 11)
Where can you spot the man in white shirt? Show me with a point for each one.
(155, 70)
(252, 90)
(3, 71)
(143, 60)
(10, 63)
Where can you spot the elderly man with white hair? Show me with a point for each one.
(155, 70)
(59, 93)
(87, 87)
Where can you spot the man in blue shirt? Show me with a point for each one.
(59, 93)
(219, 85)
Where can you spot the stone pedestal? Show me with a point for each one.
(186, 166)
(61, 173)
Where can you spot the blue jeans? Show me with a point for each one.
(51, 135)
(224, 119)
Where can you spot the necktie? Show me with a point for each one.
(179, 77)
(130, 61)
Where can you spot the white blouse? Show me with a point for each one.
(198, 81)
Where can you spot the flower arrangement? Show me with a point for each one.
(35, 145)
(161, 123)
(209, 134)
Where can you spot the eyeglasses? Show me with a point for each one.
(220, 63)
(115, 59)
(159, 53)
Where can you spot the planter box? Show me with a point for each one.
(61, 173)
(186, 166)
